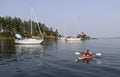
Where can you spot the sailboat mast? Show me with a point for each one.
(31, 21)
(37, 24)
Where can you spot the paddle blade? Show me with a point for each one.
(98, 54)
(77, 53)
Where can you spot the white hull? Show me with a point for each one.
(28, 41)
(73, 39)
(62, 38)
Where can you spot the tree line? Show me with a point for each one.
(10, 26)
(83, 36)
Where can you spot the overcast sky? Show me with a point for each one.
(97, 18)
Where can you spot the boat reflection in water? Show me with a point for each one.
(29, 51)
(88, 61)
(84, 60)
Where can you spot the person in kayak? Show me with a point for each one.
(88, 53)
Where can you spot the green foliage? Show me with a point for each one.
(83, 36)
(10, 26)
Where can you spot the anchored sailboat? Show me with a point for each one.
(21, 40)
(73, 39)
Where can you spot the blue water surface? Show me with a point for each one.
(56, 58)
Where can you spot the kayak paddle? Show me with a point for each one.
(97, 54)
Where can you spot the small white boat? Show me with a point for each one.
(73, 39)
(62, 38)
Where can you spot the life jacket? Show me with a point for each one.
(88, 53)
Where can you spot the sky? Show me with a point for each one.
(96, 18)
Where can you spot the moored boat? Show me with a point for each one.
(30, 40)
(73, 39)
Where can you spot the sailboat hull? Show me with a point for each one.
(73, 39)
(28, 41)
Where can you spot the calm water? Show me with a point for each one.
(57, 59)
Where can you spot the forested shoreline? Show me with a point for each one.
(10, 26)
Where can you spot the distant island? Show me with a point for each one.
(83, 36)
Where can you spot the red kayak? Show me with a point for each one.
(84, 57)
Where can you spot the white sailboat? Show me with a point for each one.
(29, 40)
(62, 38)
(73, 39)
